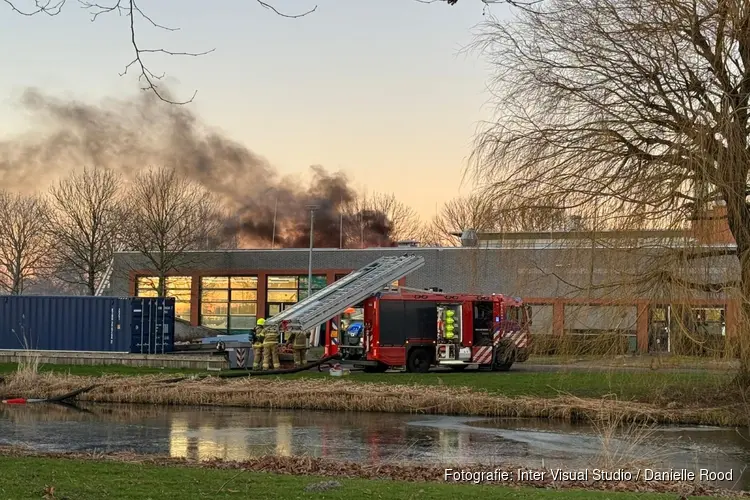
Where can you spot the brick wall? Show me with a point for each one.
(517, 271)
(714, 228)
(541, 276)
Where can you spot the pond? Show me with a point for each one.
(237, 434)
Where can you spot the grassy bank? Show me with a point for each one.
(32, 476)
(657, 387)
(647, 387)
(95, 370)
(453, 394)
(654, 362)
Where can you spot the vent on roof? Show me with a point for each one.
(469, 238)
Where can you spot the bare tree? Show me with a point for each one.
(403, 220)
(637, 106)
(24, 242)
(475, 211)
(86, 219)
(170, 215)
(512, 216)
(483, 212)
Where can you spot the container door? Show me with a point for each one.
(152, 325)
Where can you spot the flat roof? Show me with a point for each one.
(575, 235)
(321, 249)
(487, 246)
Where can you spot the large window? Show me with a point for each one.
(284, 290)
(175, 286)
(318, 283)
(229, 302)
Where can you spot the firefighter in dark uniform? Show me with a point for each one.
(258, 340)
(298, 339)
(271, 349)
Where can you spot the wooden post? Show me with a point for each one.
(195, 299)
(558, 317)
(732, 318)
(641, 332)
(261, 307)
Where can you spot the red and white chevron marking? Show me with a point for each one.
(482, 355)
(505, 329)
(522, 340)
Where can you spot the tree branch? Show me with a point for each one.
(48, 8)
(130, 8)
(289, 16)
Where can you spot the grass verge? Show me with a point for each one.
(29, 475)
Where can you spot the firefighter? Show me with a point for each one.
(271, 349)
(346, 319)
(298, 339)
(258, 339)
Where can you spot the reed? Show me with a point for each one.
(345, 395)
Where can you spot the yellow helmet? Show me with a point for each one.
(261, 322)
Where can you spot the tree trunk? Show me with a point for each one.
(161, 291)
(17, 284)
(742, 333)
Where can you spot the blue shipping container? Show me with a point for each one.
(81, 323)
(152, 325)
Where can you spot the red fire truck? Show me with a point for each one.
(408, 329)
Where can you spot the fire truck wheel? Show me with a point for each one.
(503, 361)
(419, 361)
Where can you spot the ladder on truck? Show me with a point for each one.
(107, 277)
(346, 292)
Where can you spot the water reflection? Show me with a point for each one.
(237, 434)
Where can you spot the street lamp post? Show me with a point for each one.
(312, 209)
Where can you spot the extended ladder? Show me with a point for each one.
(104, 283)
(346, 292)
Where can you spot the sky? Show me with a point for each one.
(377, 89)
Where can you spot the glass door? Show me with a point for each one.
(274, 308)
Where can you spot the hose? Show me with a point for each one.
(56, 399)
(257, 373)
(71, 395)
(246, 373)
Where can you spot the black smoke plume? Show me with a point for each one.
(129, 135)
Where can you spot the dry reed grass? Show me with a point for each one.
(301, 466)
(28, 367)
(345, 395)
(627, 445)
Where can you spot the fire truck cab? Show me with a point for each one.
(412, 330)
